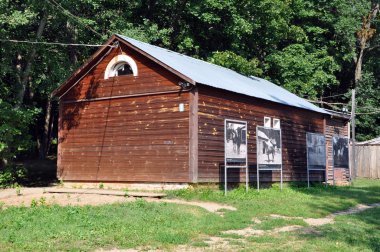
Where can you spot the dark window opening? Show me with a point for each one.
(123, 69)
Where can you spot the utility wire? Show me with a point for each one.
(328, 103)
(369, 113)
(323, 97)
(69, 14)
(54, 43)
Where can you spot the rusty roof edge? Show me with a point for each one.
(57, 91)
(98, 53)
(339, 114)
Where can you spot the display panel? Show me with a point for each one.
(316, 151)
(235, 142)
(269, 148)
(340, 152)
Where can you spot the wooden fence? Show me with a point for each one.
(367, 161)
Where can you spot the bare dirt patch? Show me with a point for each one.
(80, 197)
(62, 199)
(248, 231)
(209, 206)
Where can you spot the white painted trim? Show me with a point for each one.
(267, 122)
(115, 61)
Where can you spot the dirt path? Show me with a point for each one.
(209, 206)
(217, 243)
(80, 197)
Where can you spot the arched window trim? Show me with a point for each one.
(110, 70)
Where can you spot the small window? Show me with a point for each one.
(121, 65)
(267, 122)
(276, 123)
(122, 69)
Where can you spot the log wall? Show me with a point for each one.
(125, 128)
(216, 105)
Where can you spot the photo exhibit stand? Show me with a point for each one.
(341, 154)
(272, 138)
(314, 137)
(235, 149)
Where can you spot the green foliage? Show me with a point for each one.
(235, 62)
(303, 72)
(12, 174)
(14, 130)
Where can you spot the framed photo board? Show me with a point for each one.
(316, 154)
(269, 150)
(235, 147)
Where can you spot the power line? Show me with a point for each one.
(370, 112)
(69, 14)
(328, 103)
(54, 43)
(323, 97)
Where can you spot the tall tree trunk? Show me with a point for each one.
(45, 134)
(25, 73)
(72, 38)
(364, 35)
(50, 134)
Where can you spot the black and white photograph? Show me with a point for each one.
(316, 151)
(269, 152)
(340, 152)
(235, 141)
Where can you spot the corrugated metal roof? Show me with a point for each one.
(212, 75)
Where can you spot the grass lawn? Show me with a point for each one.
(163, 225)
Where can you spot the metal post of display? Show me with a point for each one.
(281, 179)
(258, 176)
(333, 173)
(225, 179)
(307, 164)
(246, 173)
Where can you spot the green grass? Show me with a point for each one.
(358, 232)
(161, 225)
(52, 228)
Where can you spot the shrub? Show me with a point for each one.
(12, 174)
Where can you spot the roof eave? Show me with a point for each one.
(170, 69)
(78, 73)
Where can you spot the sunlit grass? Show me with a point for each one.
(161, 225)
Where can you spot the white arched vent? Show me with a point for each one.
(121, 65)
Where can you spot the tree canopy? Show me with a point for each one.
(310, 47)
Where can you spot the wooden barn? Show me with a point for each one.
(135, 112)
